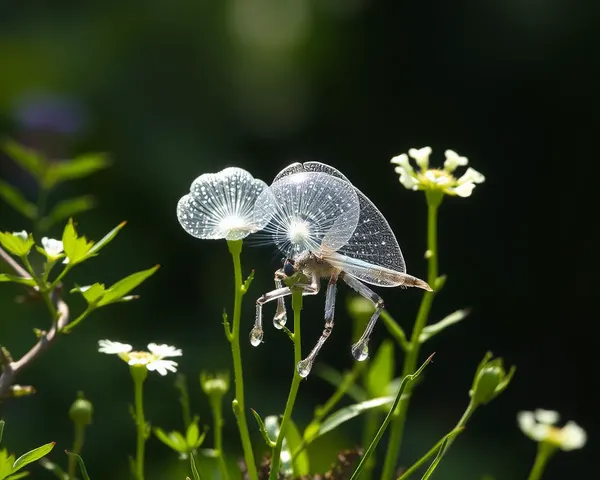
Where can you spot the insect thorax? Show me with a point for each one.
(311, 264)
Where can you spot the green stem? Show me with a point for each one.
(544, 454)
(413, 348)
(80, 318)
(44, 292)
(217, 410)
(77, 446)
(139, 375)
(235, 248)
(371, 426)
(289, 406)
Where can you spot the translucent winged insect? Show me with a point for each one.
(327, 228)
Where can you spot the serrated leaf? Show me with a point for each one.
(6, 463)
(81, 464)
(174, 440)
(300, 463)
(78, 167)
(381, 370)
(30, 160)
(107, 238)
(115, 292)
(15, 199)
(16, 244)
(67, 208)
(32, 456)
(350, 412)
(5, 277)
(76, 247)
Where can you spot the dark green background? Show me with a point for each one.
(176, 89)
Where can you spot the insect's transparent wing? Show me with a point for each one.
(310, 167)
(305, 207)
(364, 271)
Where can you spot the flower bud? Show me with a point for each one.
(490, 380)
(214, 385)
(81, 411)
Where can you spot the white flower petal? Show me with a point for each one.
(139, 360)
(526, 421)
(471, 175)
(547, 417)
(573, 437)
(22, 234)
(221, 205)
(52, 247)
(161, 366)
(163, 350)
(421, 156)
(454, 160)
(107, 346)
(464, 189)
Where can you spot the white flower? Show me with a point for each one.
(23, 235)
(153, 360)
(53, 247)
(433, 178)
(221, 205)
(540, 426)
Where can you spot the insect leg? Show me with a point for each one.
(305, 365)
(360, 350)
(280, 318)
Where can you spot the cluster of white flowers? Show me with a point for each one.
(426, 178)
(540, 425)
(152, 360)
(54, 248)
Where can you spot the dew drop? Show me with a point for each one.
(304, 367)
(280, 320)
(256, 336)
(360, 351)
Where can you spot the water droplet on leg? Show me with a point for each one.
(256, 336)
(304, 367)
(280, 320)
(360, 350)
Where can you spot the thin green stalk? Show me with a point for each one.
(289, 406)
(44, 292)
(544, 454)
(372, 418)
(235, 248)
(217, 411)
(139, 375)
(412, 353)
(77, 446)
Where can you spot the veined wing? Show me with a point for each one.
(373, 241)
(367, 272)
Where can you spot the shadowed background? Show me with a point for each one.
(176, 89)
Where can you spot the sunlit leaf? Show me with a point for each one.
(107, 238)
(76, 247)
(16, 476)
(173, 440)
(192, 435)
(15, 199)
(431, 330)
(81, 464)
(67, 208)
(381, 370)
(78, 167)
(6, 463)
(32, 456)
(5, 277)
(30, 160)
(123, 287)
(300, 462)
(91, 293)
(15, 244)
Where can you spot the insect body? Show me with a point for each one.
(327, 228)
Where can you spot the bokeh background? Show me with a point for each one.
(176, 89)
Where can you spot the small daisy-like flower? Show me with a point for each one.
(53, 247)
(443, 180)
(152, 360)
(540, 425)
(221, 205)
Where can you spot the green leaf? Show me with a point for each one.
(117, 291)
(91, 293)
(30, 160)
(431, 330)
(17, 476)
(107, 238)
(381, 370)
(6, 463)
(5, 277)
(32, 456)
(15, 244)
(174, 440)
(335, 378)
(84, 473)
(192, 435)
(348, 413)
(15, 199)
(76, 248)
(79, 167)
(67, 208)
(300, 462)
(263, 429)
